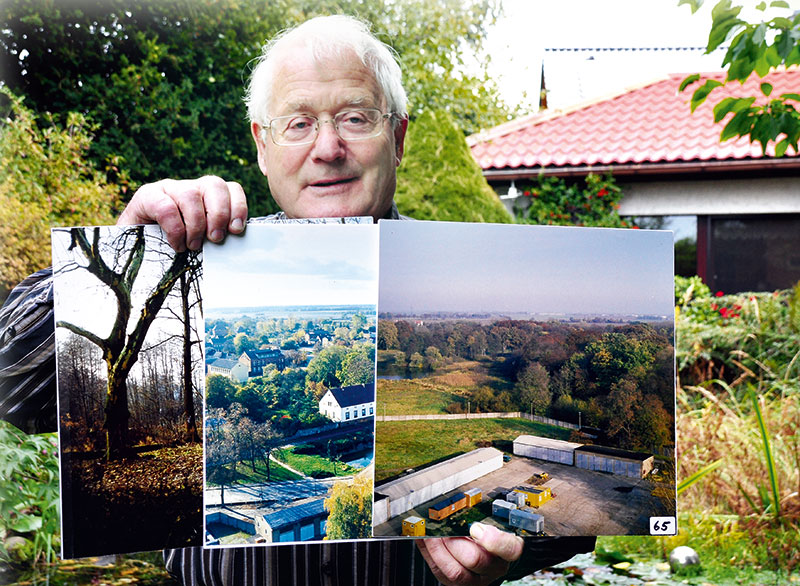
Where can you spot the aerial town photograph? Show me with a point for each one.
(528, 383)
(290, 332)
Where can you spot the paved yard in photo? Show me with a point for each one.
(585, 503)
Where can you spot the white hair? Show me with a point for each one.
(326, 37)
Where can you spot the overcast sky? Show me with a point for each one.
(292, 264)
(518, 41)
(427, 266)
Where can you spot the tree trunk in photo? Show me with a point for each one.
(192, 435)
(117, 416)
(121, 348)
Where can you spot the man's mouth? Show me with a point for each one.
(331, 182)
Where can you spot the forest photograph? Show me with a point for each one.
(561, 336)
(129, 373)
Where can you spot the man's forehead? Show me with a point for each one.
(313, 83)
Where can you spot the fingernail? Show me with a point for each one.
(476, 530)
(217, 236)
(237, 225)
(195, 244)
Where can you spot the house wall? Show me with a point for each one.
(777, 195)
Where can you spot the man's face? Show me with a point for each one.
(330, 177)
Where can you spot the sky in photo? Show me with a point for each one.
(427, 266)
(292, 264)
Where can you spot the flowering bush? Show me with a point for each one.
(728, 337)
(550, 200)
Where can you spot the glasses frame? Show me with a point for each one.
(268, 128)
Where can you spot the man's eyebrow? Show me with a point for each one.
(304, 107)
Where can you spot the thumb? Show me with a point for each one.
(500, 543)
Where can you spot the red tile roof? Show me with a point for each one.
(646, 126)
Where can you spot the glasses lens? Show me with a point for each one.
(351, 125)
(356, 124)
(293, 129)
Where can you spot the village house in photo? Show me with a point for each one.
(525, 379)
(290, 329)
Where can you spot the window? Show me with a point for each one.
(363, 412)
(347, 414)
(370, 409)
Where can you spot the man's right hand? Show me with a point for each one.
(189, 210)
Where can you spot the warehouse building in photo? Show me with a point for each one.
(403, 494)
(613, 460)
(545, 448)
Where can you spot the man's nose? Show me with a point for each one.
(328, 146)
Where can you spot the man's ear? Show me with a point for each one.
(399, 139)
(259, 137)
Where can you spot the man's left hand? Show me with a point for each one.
(477, 560)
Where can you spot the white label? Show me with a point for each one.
(663, 526)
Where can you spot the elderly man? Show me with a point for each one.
(328, 116)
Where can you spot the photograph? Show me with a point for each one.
(129, 375)
(525, 379)
(290, 333)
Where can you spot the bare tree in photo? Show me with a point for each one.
(117, 262)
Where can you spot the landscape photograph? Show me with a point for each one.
(290, 338)
(525, 379)
(129, 374)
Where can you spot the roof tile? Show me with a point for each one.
(649, 124)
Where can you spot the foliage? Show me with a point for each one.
(350, 508)
(45, 181)
(753, 47)
(163, 81)
(28, 495)
(439, 179)
(551, 200)
(743, 336)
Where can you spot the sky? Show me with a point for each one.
(427, 266)
(517, 44)
(292, 264)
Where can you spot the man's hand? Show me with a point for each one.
(189, 210)
(471, 561)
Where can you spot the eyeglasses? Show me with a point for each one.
(350, 125)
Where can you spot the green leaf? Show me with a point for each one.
(770, 462)
(724, 19)
(686, 483)
(688, 81)
(791, 97)
(729, 105)
(779, 4)
(780, 148)
(693, 4)
(739, 125)
(762, 6)
(766, 88)
(26, 523)
(702, 92)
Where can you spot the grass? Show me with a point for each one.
(278, 473)
(409, 444)
(314, 466)
(413, 397)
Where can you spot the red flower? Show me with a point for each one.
(635, 227)
(714, 307)
(602, 192)
(720, 293)
(724, 312)
(526, 193)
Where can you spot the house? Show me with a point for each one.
(256, 360)
(304, 522)
(233, 369)
(736, 209)
(348, 403)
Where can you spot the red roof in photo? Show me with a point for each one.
(644, 126)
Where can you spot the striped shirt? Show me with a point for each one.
(28, 399)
